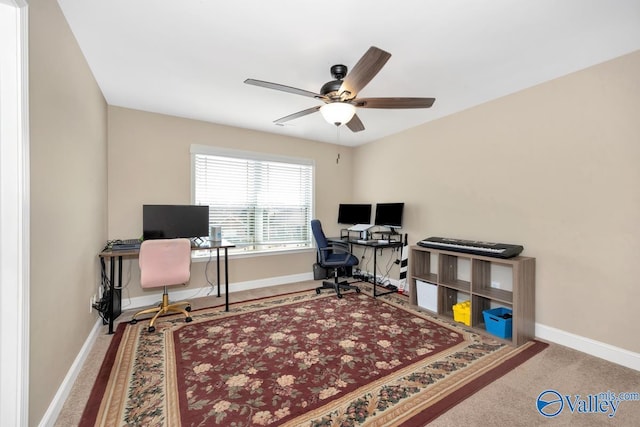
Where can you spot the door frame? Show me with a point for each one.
(14, 213)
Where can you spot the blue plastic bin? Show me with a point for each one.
(496, 324)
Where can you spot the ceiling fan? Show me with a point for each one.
(340, 95)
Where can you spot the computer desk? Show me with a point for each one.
(375, 245)
(114, 307)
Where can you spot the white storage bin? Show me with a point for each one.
(427, 295)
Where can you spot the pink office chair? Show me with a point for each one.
(164, 262)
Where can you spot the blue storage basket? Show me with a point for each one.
(496, 324)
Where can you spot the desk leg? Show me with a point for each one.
(226, 280)
(375, 272)
(218, 269)
(375, 277)
(112, 278)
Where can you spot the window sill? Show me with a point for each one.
(207, 255)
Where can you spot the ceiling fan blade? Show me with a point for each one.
(394, 102)
(355, 124)
(297, 115)
(365, 69)
(284, 88)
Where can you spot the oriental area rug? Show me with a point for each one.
(299, 359)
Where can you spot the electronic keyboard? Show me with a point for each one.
(497, 250)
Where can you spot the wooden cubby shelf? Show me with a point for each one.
(485, 281)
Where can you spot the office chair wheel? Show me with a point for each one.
(188, 308)
(339, 295)
(318, 291)
(133, 321)
(151, 329)
(188, 319)
(358, 290)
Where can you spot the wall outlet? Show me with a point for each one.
(92, 303)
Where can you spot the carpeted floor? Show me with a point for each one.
(508, 400)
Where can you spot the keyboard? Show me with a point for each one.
(360, 227)
(371, 241)
(127, 244)
(497, 250)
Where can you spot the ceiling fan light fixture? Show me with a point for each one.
(341, 95)
(338, 113)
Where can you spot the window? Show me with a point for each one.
(262, 202)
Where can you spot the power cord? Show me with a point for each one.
(102, 305)
(206, 275)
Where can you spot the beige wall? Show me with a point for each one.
(149, 162)
(68, 138)
(554, 168)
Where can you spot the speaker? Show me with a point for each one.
(215, 233)
(319, 272)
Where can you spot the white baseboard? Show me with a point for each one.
(53, 411)
(595, 348)
(190, 293)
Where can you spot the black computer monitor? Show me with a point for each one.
(354, 213)
(389, 214)
(174, 221)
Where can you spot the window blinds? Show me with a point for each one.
(260, 204)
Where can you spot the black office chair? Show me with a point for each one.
(333, 256)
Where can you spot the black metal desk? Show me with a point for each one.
(114, 305)
(375, 245)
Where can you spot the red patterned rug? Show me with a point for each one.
(298, 359)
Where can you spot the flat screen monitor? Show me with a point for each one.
(354, 213)
(389, 214)
(174, 221)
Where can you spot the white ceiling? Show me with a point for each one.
(189, 58)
